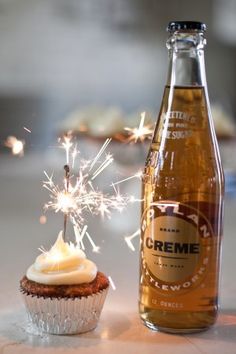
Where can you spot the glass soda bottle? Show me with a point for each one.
(183, 191)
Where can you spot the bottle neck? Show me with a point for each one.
(186, 59)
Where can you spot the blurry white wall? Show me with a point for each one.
(73, 53)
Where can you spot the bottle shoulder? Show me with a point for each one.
(182, 161)
(191, 170)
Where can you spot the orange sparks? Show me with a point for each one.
(16, 146)
(43, 219)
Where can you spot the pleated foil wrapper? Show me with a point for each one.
(64, 315)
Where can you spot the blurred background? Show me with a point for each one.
(61, 56)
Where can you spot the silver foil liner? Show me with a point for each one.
(65, 315)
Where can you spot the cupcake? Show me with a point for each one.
(63, 291)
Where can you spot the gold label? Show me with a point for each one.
(176, 247)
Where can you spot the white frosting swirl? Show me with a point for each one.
(64, 264)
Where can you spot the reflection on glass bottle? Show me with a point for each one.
(183, 189)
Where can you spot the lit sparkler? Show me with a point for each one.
(141, 132)
(79, 195)
(16, 146)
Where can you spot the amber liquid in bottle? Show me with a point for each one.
(182, 176)
(183, 189)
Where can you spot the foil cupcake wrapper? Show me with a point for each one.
(64, 315)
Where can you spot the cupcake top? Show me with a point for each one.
(64, 264)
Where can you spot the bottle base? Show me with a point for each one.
(157, 328)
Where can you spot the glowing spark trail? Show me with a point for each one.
(74, 154)
(79, 236)
(109, 159)
(141, 133)
(137, 175)
(101, 151)
(112, 283)
(27, 129)
(95, 248)
(67, 144)
(128, 239)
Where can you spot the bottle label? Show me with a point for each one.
(177, 125)
(176, 247)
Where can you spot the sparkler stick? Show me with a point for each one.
(67, 178)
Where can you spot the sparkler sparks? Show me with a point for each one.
(79, 196)
(27, 129)
(79, 237)
(136, 175)
(141, 132)
(16, 146)
(67, 144)
(112, 283)
(128, 239)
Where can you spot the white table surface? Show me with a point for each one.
(119, 329)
